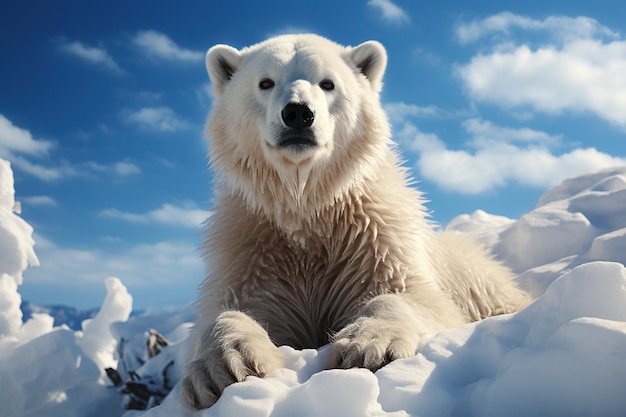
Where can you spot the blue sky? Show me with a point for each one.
(102, 107)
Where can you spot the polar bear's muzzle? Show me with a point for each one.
(297, 134)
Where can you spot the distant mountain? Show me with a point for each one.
(69, 316)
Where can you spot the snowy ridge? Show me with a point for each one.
(562, 355)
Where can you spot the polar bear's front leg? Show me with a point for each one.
(390, 327)
(235, 348)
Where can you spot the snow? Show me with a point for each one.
(562, 355)
(16, 253)
(96, 339)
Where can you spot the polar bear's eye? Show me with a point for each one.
(327, 85)
(266, 84)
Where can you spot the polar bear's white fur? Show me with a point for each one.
(316, 235)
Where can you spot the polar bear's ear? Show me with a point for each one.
(221, 62)
(371, 58)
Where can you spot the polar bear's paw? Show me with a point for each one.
(236, 348)
(371, 343)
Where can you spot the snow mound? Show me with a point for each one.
(559, 356)
(483, 227)
(579, 221)
(562, 355)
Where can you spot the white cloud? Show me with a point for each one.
(188, 215)
(486, 133)
(579, 74)
(143, 265)
(584, 76)
(90, 54)
(116, 169)
(390, 12)
(39, 200)
(15, 140)
(160, 46)
(124, 169)
(398, 111)
(18, 146)
(522, 156)
(66, 170)
(563, 28)
(162, 119)
(43, 172)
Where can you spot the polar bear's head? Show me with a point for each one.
(293, 118)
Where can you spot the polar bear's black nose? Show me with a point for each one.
(297, 115)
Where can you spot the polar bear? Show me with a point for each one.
(317, 236)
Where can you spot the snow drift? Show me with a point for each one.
(562, 355)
